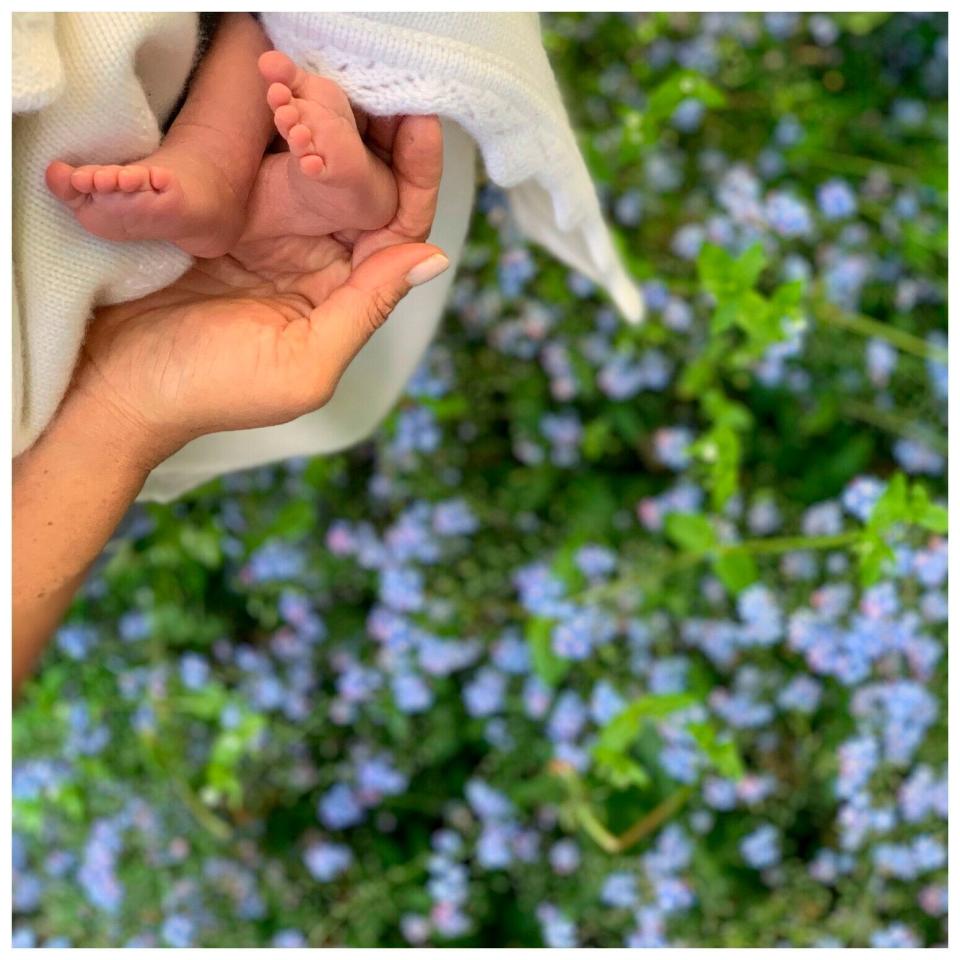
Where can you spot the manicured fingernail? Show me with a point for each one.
(427, 269)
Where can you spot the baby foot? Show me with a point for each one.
(181, 198)
(332, 178)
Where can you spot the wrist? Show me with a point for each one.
(91, 419)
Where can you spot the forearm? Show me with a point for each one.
(70, 491)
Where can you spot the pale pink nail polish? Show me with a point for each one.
(427, 269)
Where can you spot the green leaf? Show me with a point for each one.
(619, 770)
(725, 316)
(728, 278)
(720, 448)
(874, 555)
(31, 815)
(564, 564)
(295, 519)
(722, 410)
(206, 703)
(697, 375)
(691, 532)
(934, 518)
(787, 297)
(862, 23)
(452, 407)
(736, 570)
(892, 507)
(229, 748)
(901, 503)
(926, 514)
(70, 801)
(201, 545)
(762, 324)
(748, 267)
(620, 732)
(714, 268)
(726, 758)
(723, 754)
(642, 128)
(534, 791)
(550, 668)
(678, 87)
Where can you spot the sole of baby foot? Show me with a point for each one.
(329, 171)
(174, 197)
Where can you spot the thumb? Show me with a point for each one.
(352, 313)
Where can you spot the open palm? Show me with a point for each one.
(263, 334)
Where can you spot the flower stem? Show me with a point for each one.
(210, 822)
(650, 821)
(859, 166)
(891, 422)
(789, 544)
(832, 315)
(588, 820)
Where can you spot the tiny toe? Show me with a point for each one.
(160, 178)
(312, 166)
(105, 179)
(277, 67)
(278, 94)
(82, 179)
(300, 139)
(132, 179)
(284, 119)
(57, 178)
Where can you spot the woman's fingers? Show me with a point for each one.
(417, 161)
(418, 166)
(380, 134)
(353, 312)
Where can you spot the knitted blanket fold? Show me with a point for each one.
(96, 87)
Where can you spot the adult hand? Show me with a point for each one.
(263, 335)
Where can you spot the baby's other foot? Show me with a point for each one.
(183, 202)
(339, 181)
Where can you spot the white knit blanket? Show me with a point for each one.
(97, 87)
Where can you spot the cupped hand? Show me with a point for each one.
(263, 335)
